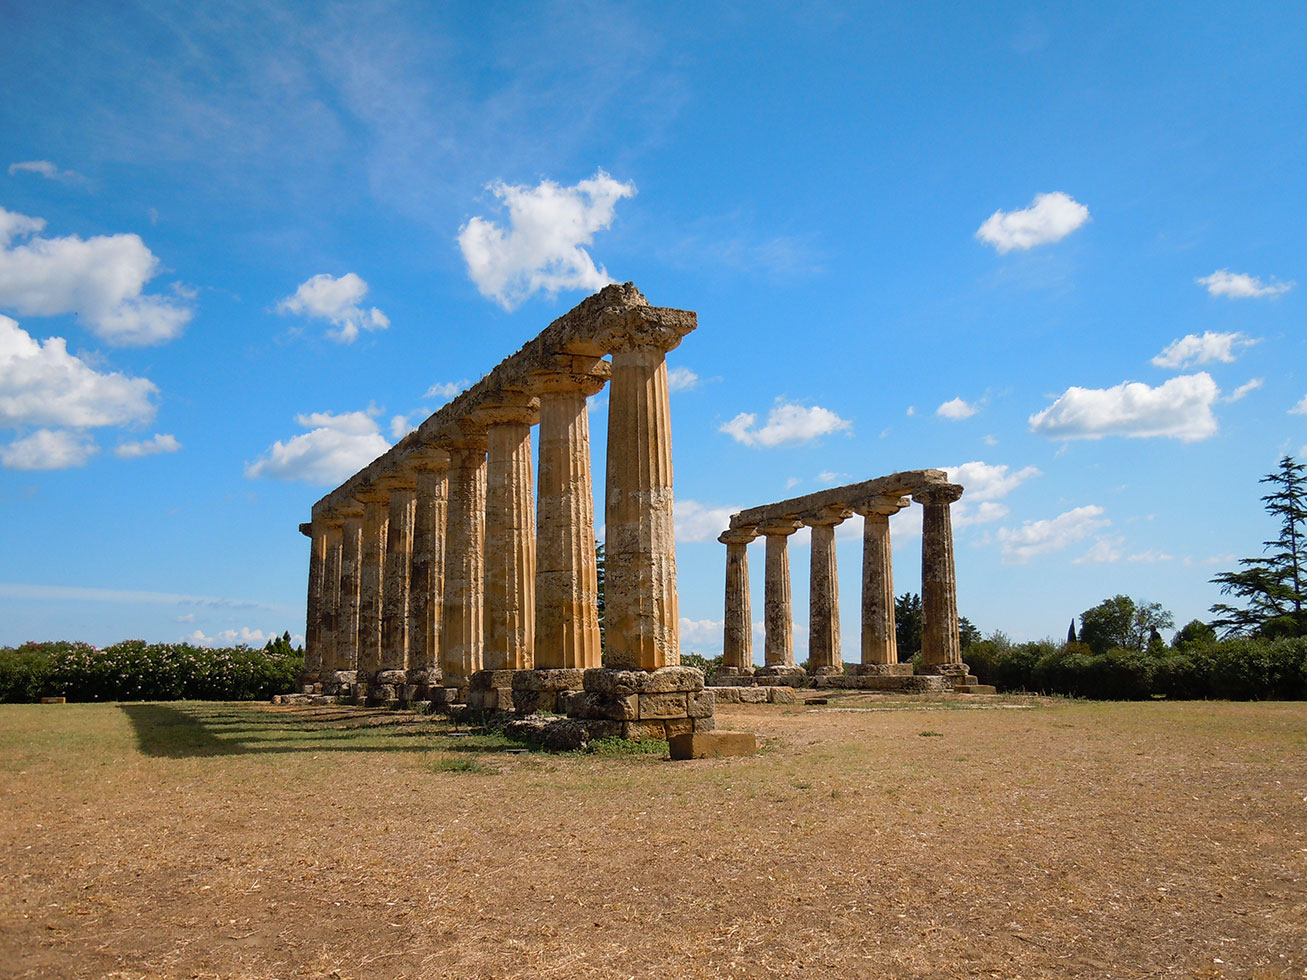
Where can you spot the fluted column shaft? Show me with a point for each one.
(824, 653)
(940, 644)
(462, 630)
(313, 611)
(641, 626)
(330, 619)
(778, 616)
(737, 633)
(395, 594)
(510, 548)
(372, 565)
(351, 562)
(427, 575)
(567, 576)
(879, 640)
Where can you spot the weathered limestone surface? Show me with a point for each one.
(510, 539)
(426, 583)
(567, 573)
(879, 641)
(462, 629)
(372, 564)
(737, 639)
(330, 609)
(824, 651)
(351, 560)
(314, 615)
(713, 745)
(778, 618)
(641, 613)
(940, 644)
(401, 509)
(854, 495)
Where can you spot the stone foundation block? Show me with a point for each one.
(757, 695)
(382, 694)
(669, 705)
(703, 724)
(727, 695)
(589, 704)
(560, 679)
(887, 670)
(782, 695)
(780, 670)
(429, 676)
(644, 731)
(529, 702)
(443, 695)
(946, 670)
(605, 680)
(485, 680)
(391, 676)
(699, 704)
(713, 745)
(678, 726)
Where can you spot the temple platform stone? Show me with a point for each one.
(712, 745)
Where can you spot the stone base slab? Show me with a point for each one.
(763, 694)
(883, 670)
(780, 670)
(563, 734)
(911, 683)
(713, 745)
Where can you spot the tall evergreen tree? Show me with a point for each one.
(907, 625)
(1071, 631)
(1272, 586)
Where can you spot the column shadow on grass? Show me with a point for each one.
(196, 729)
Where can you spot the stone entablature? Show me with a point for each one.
(449, 555)
(876, 500)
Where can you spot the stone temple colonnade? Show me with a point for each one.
(450, 556)
(876, 500)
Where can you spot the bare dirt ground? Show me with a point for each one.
(870, 838)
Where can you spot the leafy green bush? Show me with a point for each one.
(708, 665)
(134, 670)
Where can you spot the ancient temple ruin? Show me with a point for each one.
(443, 571)
(876, 500)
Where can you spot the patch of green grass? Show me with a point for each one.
(463, 763)
(624, 746)
(931, 734)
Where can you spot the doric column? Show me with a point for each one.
(641, 618)
(462, 635)
(879, 641)
(351, 560)
(427, 575)
(401, 509)
(317, 532)
(824, 653)
(330, 599)
(372, 567)
(940, 645)
(567, 575)
(737, 634)
(510, 535)
(778, 617)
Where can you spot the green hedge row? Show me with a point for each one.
(134, 670)
(1235, 670)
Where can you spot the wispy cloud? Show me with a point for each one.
(46, 169)
(1240, 285)
(1049, 218)
(447, 389)
(1203, 349)
(334, 448)
(162, 442)
(1032, 538)
(681, 378)
(49, 449)
(1247, 388)
(699, 522)
(66, 593)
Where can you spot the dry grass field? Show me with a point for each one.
(869, 838)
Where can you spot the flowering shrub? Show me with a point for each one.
(134, 670)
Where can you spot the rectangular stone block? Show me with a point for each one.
(704, 724)
(699, 704)
(605, 680)
(589, 704)
(444, 695)
(727, 695)
(678, 726)
(782, 695)
(713, 745)
(529, 702)
(643, 731)
(668, 705)
(560, 679)
(484, 680)
(758, 695)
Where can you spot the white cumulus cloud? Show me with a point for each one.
(334, 448)
(1050, 218)
(1179, 409)
(46, 169)
(696, 522)
(541, 248)
(956, 410)
(1240, 285)
(1300, 408)
(42, 384)
(787, 423)
(985, 485)
(1210, 346)
(100, 279)
(681, 378)
(1019, 545)
(162, 442)
(48, 449)
(324, 297)
(447, 389)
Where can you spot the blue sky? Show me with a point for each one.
(243, 245)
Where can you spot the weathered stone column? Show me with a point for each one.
(778, 617)
(510, 536)
(824, 653)
(331, 599)
(879, 641)
(567, 575)
(351, 561)
(641, 615)
(427, 575)
(737, 638)
(372, 567)
(317, 532)
(462, 629)
(941, 649)
(401, 509)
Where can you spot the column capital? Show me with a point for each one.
(371, 493)
(460, 439)
(525, 412)
(642, 328)
(429, 459)
(780, 526)
(738, 535)
(937, 493)
(307, 529)
(396, 480)
(828, 516)
(881, 506)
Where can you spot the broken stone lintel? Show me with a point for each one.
(853, 495)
